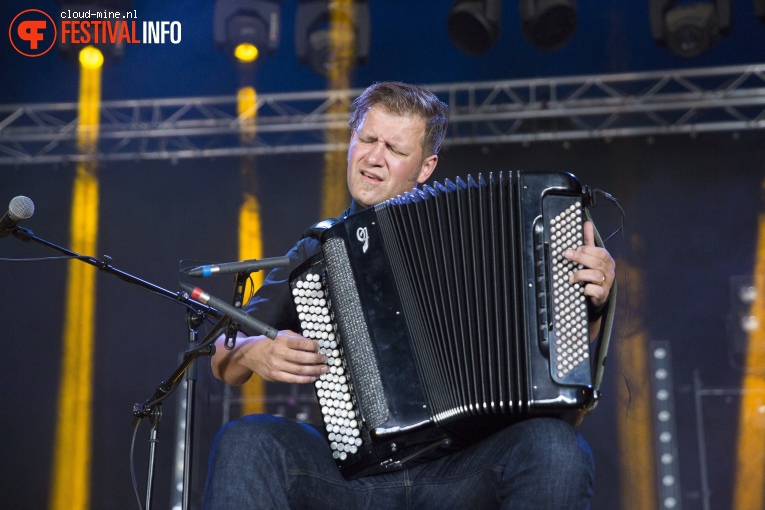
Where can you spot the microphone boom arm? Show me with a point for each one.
(105, 265)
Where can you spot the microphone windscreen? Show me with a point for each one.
(21, 208)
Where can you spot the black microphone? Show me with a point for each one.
(21, 208)
(246, 266)
(248, 323)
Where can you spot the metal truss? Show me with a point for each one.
(516, 111)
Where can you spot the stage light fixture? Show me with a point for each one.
(110, 51)
(313, 45)
(246, 29)
(548, 24)
(759, 9)
(689, 30)
(473, 26)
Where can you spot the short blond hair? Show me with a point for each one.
(404, 99)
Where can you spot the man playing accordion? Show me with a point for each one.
(264, 461)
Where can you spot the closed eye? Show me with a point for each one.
(388, 146)
(396, 151)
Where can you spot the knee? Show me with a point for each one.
(546, 461)
(259, 432)
(246, 461)
(553, 446)
(254, 432)
(250, 423)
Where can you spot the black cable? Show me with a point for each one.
(613, 199)
(136, 426)
(42, 259)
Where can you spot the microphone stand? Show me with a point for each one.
(193, 321)
(152, 407)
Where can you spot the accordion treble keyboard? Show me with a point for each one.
(333, 389)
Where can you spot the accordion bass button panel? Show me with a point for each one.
(334, 390)
(570, 350)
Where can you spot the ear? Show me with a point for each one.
(427, 168)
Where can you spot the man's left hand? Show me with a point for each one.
(598, 271)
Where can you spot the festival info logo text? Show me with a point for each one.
(34, 32)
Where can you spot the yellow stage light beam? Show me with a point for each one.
(250, 237)
(634, 423)
(72, 449)
(342, 43)
(750, 459)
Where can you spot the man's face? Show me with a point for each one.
(385, 157)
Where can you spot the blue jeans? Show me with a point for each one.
(263, 461)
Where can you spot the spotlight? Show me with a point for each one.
(313, 45)
(548, 24)
(246, 29)
(473, 25)
(743, 320)
(91, 57)
(246, 52)
(690, 29)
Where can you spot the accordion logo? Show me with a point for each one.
(363, 236)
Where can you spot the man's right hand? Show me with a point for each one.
(288, 358)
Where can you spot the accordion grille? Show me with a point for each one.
(354, 334)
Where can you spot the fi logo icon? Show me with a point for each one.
(32, 33)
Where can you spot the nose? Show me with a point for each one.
(376, 153)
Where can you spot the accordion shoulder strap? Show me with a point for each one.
(316, 229)
(606, 326)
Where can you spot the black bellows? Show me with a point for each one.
(459, 285)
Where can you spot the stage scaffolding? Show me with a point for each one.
(687, 101)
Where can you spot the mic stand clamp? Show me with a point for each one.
(239, 285)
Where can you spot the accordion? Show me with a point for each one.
(447, 314)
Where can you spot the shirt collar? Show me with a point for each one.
(353, 209)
